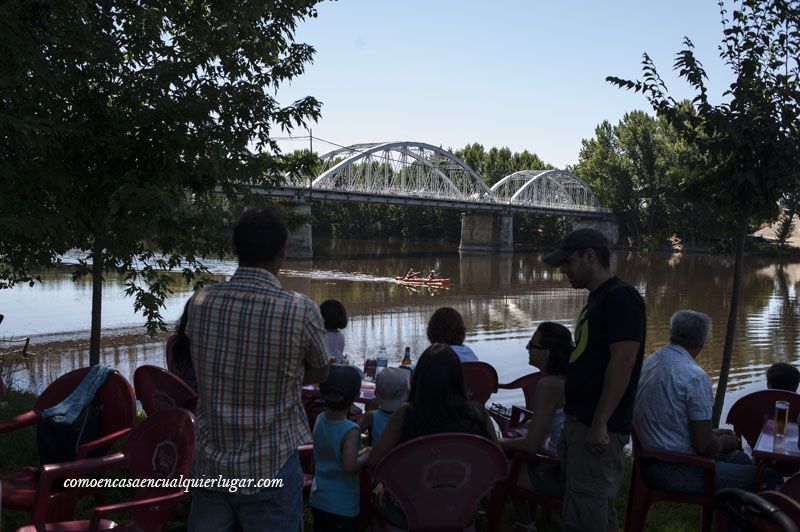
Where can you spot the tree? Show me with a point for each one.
(636, 167)
(132, 130)
(750, 141)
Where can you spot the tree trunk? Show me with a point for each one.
(730, 331)
(97, 285)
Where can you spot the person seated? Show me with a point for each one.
(412, 274)
(673, 412)
(334, 316)
(433, 275)
(437, 403)
(447, 326)
(548, 350)
(391, 391)
(783, 376)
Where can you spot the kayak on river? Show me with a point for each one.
(422, 281)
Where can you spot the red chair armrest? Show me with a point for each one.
(74, 469)
(107, 440)
(19, 422)
(516, 383)
(103, 511)
(517, 413)
(685, 458)
(534, 458)
(522, 457)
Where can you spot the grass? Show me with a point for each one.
(19, 449)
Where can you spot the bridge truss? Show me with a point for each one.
(415, 173)
(547, 188)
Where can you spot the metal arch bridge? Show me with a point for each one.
(415, 173)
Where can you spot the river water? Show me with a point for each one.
(502, 298)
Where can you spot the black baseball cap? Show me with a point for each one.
(342, 380)
(578, 239)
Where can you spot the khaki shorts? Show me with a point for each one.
(590, 481)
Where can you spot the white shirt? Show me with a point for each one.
(673, 390)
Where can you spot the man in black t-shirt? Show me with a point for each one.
(601, 382)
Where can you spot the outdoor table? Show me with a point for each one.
(366, 394)
(770, 448)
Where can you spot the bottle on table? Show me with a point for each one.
(406, 358)
(370, 367)
(383, 360)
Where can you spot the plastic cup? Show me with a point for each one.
(781, 418)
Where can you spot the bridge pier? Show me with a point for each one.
(609, 228)
(487, 233)
(299, 244)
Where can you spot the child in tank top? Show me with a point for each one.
(337, 460)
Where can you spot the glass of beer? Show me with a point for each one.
(781, 418)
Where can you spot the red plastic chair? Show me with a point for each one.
(786, 504)
(161, 448)
(158, 389)
(451, 473)
(480, 381)
(528, 385)
(306, 455)
(118, 411)
(748, 413)
(518, 466)
(640, 497)
(766, 512)
(791, 488)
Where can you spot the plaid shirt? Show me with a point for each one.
(249, 339)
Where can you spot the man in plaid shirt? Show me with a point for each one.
(253, 344)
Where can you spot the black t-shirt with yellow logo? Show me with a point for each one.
(614, 313)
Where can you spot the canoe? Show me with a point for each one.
(423, 281)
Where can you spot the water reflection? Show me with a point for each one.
(502, 299)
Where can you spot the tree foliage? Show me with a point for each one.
(121, 123)
(749, 142)
(639, 168)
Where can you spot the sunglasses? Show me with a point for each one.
(531, 345)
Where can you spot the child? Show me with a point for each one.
(391, 391)
(783, 376)
(335, 317)
(337, 460)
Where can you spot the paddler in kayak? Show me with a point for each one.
(412, 274)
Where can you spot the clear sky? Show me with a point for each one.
(523, 74)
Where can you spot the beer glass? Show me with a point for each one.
(781, 417)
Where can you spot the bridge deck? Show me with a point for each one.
(305, 194)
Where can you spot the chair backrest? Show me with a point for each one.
(480, 381)
(791, 487)
(528, 385)
(117, 401)
(158, 389)
(451, 473)
(786, 504)
(748, 413)
(748, 511)
(161, 448)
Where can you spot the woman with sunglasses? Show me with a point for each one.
(548, 350)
